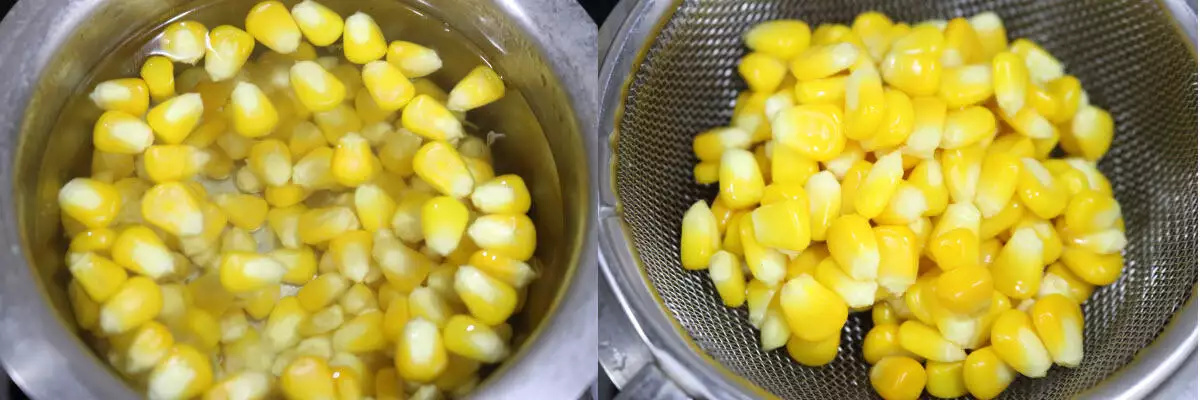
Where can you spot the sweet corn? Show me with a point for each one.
(226, 51)
(482, 86)
(121, 133)
(783, 225)
(443, 222)
(965, 290)
(831, 90)
(183, 41)
(425, 303)
(851, 156)
(926, 342)
(985, 375)
(407, 220)
(1016, 342)
(128, 95)
(361, 334)
(1091, 211)
(200, 329)
(488, 299)
(879, 185)
(725, 270)
(503, 194)
(511, 235)
(1090, 134)
(439, 164)
(99, 277)
(710, 144)
(93, 240)
(309, 378)
(853, 245)
(353, 163)
(244, 211)
(1011, 79)
(1058, 321)
(314, 171)
(317, 89)
(171, 120)
(420, 352)
(183, 374)
(898, 254)
(864, 103)
(135, 302)
(906, 206)
(927, 176)
(914, 74)
(1067, 94)
(897, 122)
(1017, 270)
(966, 85)
(813, 130)
(272, 25)
(783, 39)
(413, 60)
(967, 127)
(1093, 268)
(253, 114)
(814, 354)
(823, 61)
(1043, 67)
(774, 332)
(1041, 193)
(93, 203)
(244, 272)
(898, 378)
(945, 380)
(470, 338)
(960, 170)
(873, 28)
(322, 291)
(362, 40)
(883, 341)
(766, 264)
(824, 203)
(997, 183)
(140, 250)
(813, 312)
(243, 385)
(390, 90)
(1060, 280)
(282, 328)
(856, 294)
(762, 72)
(86, 310)
(699, 237)
(173, 162)
(320, 25)
(322, 224)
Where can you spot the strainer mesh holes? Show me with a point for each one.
(1130, 61)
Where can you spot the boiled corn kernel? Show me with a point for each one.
(853, 245)
(783, 39)
(927, 342)
(1058, 321)
(137, 301)
(1016, 342)
(965, 290)
(898, 378)
(226, 51)
(128, 95)
(361, 334)
(420, 352)
(439, 164)
(967, 127)
(443, 223)
(864, 103)
(93, 203)
(308, 378)
(353, 163)
(272, 25)
(512, 235)
(171, 120)
(774, 332)
(1060, 280)
(1018, 268)
(362, 40)
(856, 294)
(243, 272)
(1090, 134)
(389, 88)
(985, 375)
(945, 380)
(813, 311)
(813, 130)
(183, 41)
(879, 185)
(318, 23)
(488, 299)
(813, 354)
(480, 87)
(883, 341)
(99, 277)
(766, 264)
(183, 374)
(1096, 269)
(783, 225)
(412, 59)
(997, 183)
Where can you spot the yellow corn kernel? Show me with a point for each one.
(420, 352)
(1016, 342)
(783, 39)
(1093, 268)
(997, 183)
(856, 294)
(482, 86)
(121, 133)
(285, 223)
(111, 167)
(135, 302)
(395, 316)
(1041, 193)
(814, 354)
(362, 40)
(1058, 321)
(93, 203)
(93, 240)
(985, 375)
(883, 341)
(308, 378)
(966, 85)
(412, 59)
(337, 122)
(358, 299)
(199, 329)
(914, 74)
(322, 322)
(271, 161)
(864, 103)
(967, 127)
(1017, 270)
(389, 88)
(374, 207)
(243, 385)
(989, 30)
(171, 120)
(443, 222)
(883, 313)
(353, 163)
(853, 245)
(831, 90)
(966, 290)
(873, 28)
(183, 41)
(322, 291)
(897, 123)
(503, 194)
(898, 378)
(322, 224)
(470, 338)
(319, 24)
(253, 114)
(762, 72)
(783, 225)
(439, 164)
(1011, 79)
(184, 373)
(733, 239)
(898, 254)
(314, 171)
(1041, 102)
(244, 211)
(725, 270)
(489, 299)
(823, 61)
(1043, 67)
(282, 328)
(945, 380)
(759, 297)
(710, 144)
(1028, 122)
(272, 24)
(141, 349)
(99, 277)
(962, 44)
(1060, 280)
(361, 334)
(172, 207)
(1090, 134)
(425, 303)
(1002, 221)
(1012, 144)
(317, 89)
(813, 130)
(766, 264)
(927, 176)
(926, 342)
(879, 185)
(300, 264)
(407, 221)
(824, 203)
(173, 162)
(960, 170)
(128, 95)
(244, 272)
(699, 238)
(1067, 93)
(906, 206)
(86, 310)
(921, 298)
(813, 312)
(227, 50)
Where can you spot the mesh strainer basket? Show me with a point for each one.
(671, 74)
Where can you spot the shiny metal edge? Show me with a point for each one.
(702, 378)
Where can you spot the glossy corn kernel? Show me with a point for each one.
(420, 352)
(244, 272)
(443, 222)
(480, 87)
(898, 253)
(511, 235)
(226, 52)
(960, 172)
(322, 224)
(488, 299)
(725, 270)
(879, 185)
(927, 176)
(883, 341)
(1011, 80)
(966, 290)
(1058, 321)
(183, 41)
(906, 206)
(914, 74)
(1090, 134)
(699, 238)
(361, 334)
(309, 378)
(93, 240)
(966, 85)
(173, 162)
(732, 241)
(853, 245)
(831, 90)
(783, 225)
(253, 114)
(985, 375)
(282, 328)
(171, 120)
(362, 40)
(813, 311)
(406, 223)
(390, 90)
(813, 354)
(1067, 94)
(762, 72)
(1091, 211)
(425, 303)
(1093, 268)
(1017, 270)
(172, 207)
(945, 380)
(99, 277)
(782, 39)
(1013, 144)
(140, 250)
(93, 203)
(710, 144)
(813, 130)
(897, 123)
(1060, 280)
(1016, 342)
(86, 310)
(244, 385)
(439, 164)
(1041, 193)
(774, 331)
(500, 195)
(823, 61)
(353, 163)
(128, 95)
(766, 264)
(121, 133)
(967, 127)
(856, 294)
(740, 179)
(320, 25)
(824, 203)
(135, 302)
(184, 373)
(1030, 123)
(997, 183)
(864, 106)
(272, 25)
(927, 342)
(317, 89)
(1043, 67)
(898, 378)
(322, 291)
(759, 298)
(470, 338)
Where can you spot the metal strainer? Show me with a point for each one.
(672, 75)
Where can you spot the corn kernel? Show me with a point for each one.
(960, 170)
(1093, 268)
(1067, 94)
(439, 164)
(914, 74)
(926, 342)
(319, 24)
(353, 163)
(244, 385)
(184, 373)
(1090, 134)
(883, 341)
(813, 354)
(390, 90)
(282, 328)
(774, 331)
(272, 24)
(1058, 321)
(253, 114)
(965, 290)
(824, 203)
(362, 40)
(1016, 342)
(420, 353)
(171, 120)
(1043, 67)
(99, 277)
(879, 185)
(898, 378)
(766, 264)
(813, 312)
(856, 294)
(813, 130)
(308, 378)
(853, 245)
(967, 126)
(1060, 280)
(864, 103)
(512, 235)
(898, 254)
(425, 303)
(317, 89)
(86, 310)
(489, 299)
(850, 184)
(128, 95)
(244, 272)
(322, 224)
(227, 50)
(783, 39)
(361, 334)
(407, 221)
(93, 203)
(1041, 193)
(183, 41)
(135, 302)
(831, 90)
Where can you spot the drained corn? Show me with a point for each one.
(289, 225)
(907, 171)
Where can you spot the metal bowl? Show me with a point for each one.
(544, 49)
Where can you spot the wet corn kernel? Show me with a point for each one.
(1043, 67)
(171, 120)
(184, 373)
(853, 245)
(883, 341)
(128, 95)
(243, 272)
(226, 51)
(135, 302)
(967, 127)
(966, 290)
(390, 90)
(813, 354)
(813, 312)
(783, 39)
(1017, 343)
(362, 40)
(140, 250)
(93, 203)
(856, 294)
(121, 133)
(439, 164)
(766, 264)
(320, 25)
(774, 332)
(353, 163)
(272, 25)
(898, 254)
(1060, 280)
(480, 87)
(823, 61)
(361, 334)
(879, 185)
(420, 353)
(898, 378)
(183, 41)
(99, 277)
(1058, 321)
(1093, 268)
(813, 130)
(1090, 134)
(488, 299)
(864, 106)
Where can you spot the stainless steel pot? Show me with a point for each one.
(545, 49)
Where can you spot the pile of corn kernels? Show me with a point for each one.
(216, 192)
(907, 170)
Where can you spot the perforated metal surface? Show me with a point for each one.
(1130, 61)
